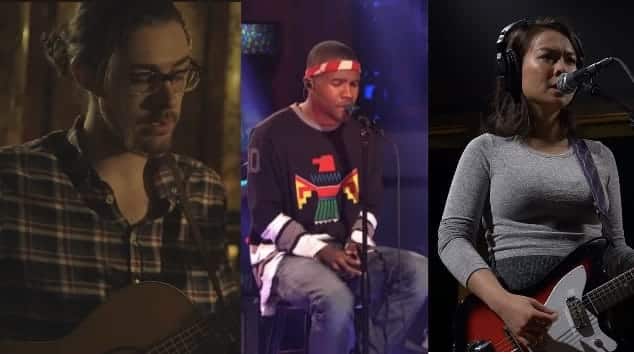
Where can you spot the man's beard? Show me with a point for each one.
(150, 147)
(131, 140)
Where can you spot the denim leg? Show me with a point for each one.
(308, 283)
(396, 293)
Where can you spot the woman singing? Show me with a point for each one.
(524, 171)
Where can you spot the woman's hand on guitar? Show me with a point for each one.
(526, 317)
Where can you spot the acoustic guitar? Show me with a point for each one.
(149, 317)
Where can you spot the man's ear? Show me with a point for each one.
(87, 78)
(308, 84)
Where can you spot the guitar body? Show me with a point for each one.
(478, 328)
(132, 321)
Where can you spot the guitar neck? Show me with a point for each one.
(187, 340)
(610, 293)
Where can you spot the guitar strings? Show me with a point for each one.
(505, 344)
(613, 287)
(188, 334)
(189, 337)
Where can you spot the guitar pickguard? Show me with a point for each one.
(563, 335)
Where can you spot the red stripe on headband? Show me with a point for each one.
(332, 66)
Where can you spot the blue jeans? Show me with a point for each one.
(394, 299)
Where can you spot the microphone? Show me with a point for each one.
(353, 112)
(568, 82)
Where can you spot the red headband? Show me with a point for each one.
(331, 66)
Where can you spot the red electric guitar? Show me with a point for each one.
(478, 328)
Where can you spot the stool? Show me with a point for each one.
(275, 332)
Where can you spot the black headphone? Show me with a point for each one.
(508, 62)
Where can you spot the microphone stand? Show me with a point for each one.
(595, 90)
(365, 281)
(367, 127)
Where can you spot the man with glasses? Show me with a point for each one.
(105, 205)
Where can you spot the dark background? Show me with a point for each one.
(462, 72)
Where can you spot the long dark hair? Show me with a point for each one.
(99, 27)
(510, 115)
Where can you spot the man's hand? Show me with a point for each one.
(339, 261)
(353, 250)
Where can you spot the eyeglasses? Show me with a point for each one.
(150, 81)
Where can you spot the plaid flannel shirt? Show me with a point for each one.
(65, 246)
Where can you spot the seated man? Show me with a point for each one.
(303, 193)
(106, 205)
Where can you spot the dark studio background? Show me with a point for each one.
(462, 58)
(390, 37)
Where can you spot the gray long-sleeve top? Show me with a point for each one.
(541, 205)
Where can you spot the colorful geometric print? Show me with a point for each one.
(324, 163)
(303, 190)
(327, 207)
(350, 186)
(327, 211)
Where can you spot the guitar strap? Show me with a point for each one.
(487, 226)
(205, 253)
(227, 341)
(592, 177)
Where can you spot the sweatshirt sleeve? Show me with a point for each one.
(463, 211)
(268, 222)
(618, 257)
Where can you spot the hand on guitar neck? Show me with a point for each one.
(526, 318)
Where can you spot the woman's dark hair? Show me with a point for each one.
(99, 27)
(511, 115)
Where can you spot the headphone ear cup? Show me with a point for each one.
(579, 49)
(507, 62)
(513, 75)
